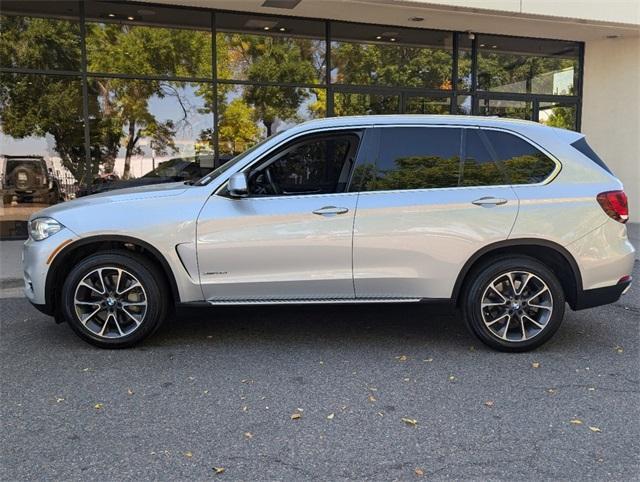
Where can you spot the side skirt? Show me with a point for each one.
(311, 301)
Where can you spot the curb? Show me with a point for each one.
(11, 283)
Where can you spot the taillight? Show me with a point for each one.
(614, 203)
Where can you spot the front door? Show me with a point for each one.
(291, 237)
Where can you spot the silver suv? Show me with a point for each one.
(508, 220)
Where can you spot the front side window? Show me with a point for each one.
(415, 158)
(522, 162)
(317, 165)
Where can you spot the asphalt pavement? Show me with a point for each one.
(326, 393)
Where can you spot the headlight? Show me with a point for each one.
(42, 228)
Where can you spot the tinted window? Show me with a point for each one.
(523, 163)
(416, 158)
(312, 166)
(582, 146)
(479, 168)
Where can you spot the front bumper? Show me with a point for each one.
(37, 257)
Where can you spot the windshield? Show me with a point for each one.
(232, 162)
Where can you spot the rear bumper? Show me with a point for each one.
(601, 296)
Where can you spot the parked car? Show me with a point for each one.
(28, 179)
(505, 219)
(177, 169)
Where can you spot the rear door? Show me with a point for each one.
(432, 198)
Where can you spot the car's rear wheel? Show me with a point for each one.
(114, 300)
(514, 303)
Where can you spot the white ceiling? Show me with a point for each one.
(398, 12)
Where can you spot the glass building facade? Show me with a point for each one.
(91, 91)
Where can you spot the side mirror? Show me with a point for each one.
(238, 185)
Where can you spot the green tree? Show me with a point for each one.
(237, 129)
(124, 103)
(39, 105)
(386, 65)
(272, 59)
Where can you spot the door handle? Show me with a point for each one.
(330, 210)
(489, 201)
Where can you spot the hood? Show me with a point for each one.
(117, 196)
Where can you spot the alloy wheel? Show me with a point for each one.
(110, 302)
(516, 306)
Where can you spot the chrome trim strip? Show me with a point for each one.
(319, 301)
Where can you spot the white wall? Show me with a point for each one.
(619, 11)
(611, 109)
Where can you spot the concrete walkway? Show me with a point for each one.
(10, 264)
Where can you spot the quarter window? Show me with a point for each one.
(522, 162)
(311, 166)
(415, 158)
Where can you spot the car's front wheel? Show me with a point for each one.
(114, 300)
(514, 304)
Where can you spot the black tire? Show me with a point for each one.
(478, 287)
(147, 274)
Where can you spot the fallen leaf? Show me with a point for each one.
(130, 392)
(248, 435)
(372, 398)
(98, 406)
(489, 403)
(535, 364)
(330, 416)
(576, 421)
(401, 358)
(188, 454)
(595, 429)
(410, 421)
(296, 416)
(419, 472)
(218, 470)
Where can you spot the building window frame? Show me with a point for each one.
(326, 83)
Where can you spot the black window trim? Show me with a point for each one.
(320, 132)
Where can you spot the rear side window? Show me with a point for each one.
(479, 167)
(521, 161)
(582, 146)
(416, 158)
